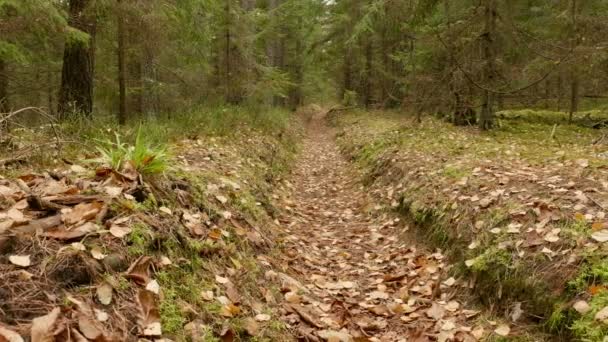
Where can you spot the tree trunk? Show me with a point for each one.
(574, 85)
(76, 93)
(574, 90)
(369, 55)
(486, 118)
(547, 93)
(227, 56)
(122, 70)
(347, 81)
(560, 91)
(297, 97)
(4, 104)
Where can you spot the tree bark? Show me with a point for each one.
(369, 55)
(486, 118)
(4, 103)
(76, 93)
(227, 55)
(122, 70)
(574, 85)
(347, 75)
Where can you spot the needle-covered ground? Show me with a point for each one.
(352, 273)
(520, 210)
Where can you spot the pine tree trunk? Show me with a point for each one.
(369, 55)
(122, 70)
(486, 118)
(347, 76)
(76, 93)
(574, 85)
(227, 56)
(297, 97)
(4, 104)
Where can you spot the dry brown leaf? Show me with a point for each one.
(139, 271)
(436, 311)
(62, 233)
(502, 330)
(251, 326)
(119, 231)
(89, 327)
(305, 315)
(82, 212)
(233, 293)
(7, 335)
(230, 310)
(149, 317)
(43, 328)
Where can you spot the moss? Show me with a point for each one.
(172, 316)
(455, 172)
(139, 239)
(586, 328)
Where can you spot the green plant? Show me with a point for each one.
(146, 158)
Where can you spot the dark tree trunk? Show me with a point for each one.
(347, 81)
(122, 70)
(297, 97)
(574, 85)
(367, 86)
(486, 118)
(4, 104)
(76, 93)
(229, 95)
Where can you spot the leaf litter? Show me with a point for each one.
(67, 233)
(353, 276)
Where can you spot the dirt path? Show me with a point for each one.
(359, 279)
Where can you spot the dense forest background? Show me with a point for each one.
(133, 58)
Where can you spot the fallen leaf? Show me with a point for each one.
(20, 260)
(230, 310)
(221, 280)
(602, 315)
(7, 335)
(165, 210)
(581, 307)
(139, 271)
(335, 336)
(97, 254)
(119, 231)
(207, 295)
(81, 213)
(153, 287)
(43, 328)
(517, 312)
(600, 235)
(305, 315)
(251, 326)
(293, 297)
(262, 317)
(104, 293)
(436, 311)
(88, 327)
(149, 316)
(502, 330)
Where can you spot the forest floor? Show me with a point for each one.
(368, 227)
(360, 276)
(520, 212)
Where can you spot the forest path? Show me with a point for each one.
(358, 277)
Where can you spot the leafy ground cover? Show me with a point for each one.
(160, 237)
(522, 209)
